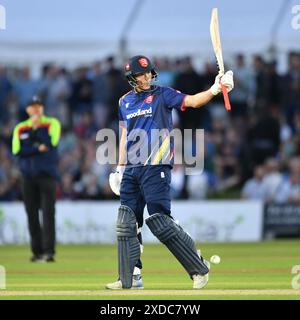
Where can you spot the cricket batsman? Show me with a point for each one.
(143, 175)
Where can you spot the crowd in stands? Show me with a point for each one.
(254, 149)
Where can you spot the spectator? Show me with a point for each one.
(8, 176)
(85, 127)
(289, 189)
(81, 97)
(226, 165)
(177, 181)
(189, 80)
(5, 95)
(263, 137)
(197, 185)
(244, 88)
(273, 85)
(166, 73)
(66, 190)
(56, 93)
(100, 96)
(260, 85)
(25, 88)
(272, 179)
(254, 188)
(116, 87)
(87, 185)
(291, 88)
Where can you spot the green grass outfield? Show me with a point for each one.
(247, 271)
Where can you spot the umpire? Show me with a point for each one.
(35, 143)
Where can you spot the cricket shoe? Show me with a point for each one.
(37, 258)
(114, 285)
(200, 281)
(137, 283)
(49, 258)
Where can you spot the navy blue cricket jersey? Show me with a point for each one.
(147, 116)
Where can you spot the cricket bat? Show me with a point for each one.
(216, 42)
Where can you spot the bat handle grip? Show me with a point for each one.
(226, 98)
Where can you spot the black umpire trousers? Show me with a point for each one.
(39, 196)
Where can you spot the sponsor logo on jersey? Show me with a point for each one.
(143, 62)
(140, 112)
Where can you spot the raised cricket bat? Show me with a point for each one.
(216, 42)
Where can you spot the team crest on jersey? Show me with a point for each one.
(149, 99)
(143, 62)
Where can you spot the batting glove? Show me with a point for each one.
(115, 179)
(216, 88)
(226, 79)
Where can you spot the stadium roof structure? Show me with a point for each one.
(72, 32)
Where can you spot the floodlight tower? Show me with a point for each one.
(132, 17)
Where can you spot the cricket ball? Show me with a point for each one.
(215, 259)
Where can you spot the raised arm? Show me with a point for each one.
(202, 98)
(198, 100)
